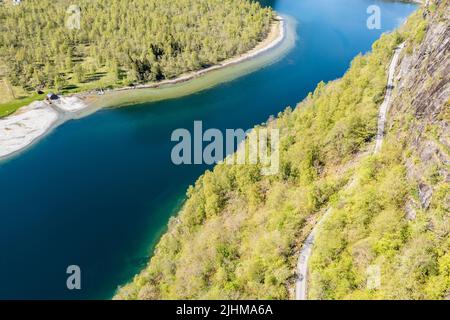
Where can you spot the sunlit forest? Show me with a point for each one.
(239, 233)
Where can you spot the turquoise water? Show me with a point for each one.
(98, 192)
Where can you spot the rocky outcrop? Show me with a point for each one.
(422, 92)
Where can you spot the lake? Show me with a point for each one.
(98, 192)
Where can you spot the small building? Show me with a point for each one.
(52, 96)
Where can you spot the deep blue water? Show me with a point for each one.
(98, 192)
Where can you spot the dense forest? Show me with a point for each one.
(392, 230)
(42, 45)
(239, 233)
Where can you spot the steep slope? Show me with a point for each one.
(239, 233)
(389, 237)
(94, 44)
(301, 290)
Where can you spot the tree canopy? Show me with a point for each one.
(239, 233)
(123, 41)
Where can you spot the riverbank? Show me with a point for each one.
(30, 123)
(301, 285)
(275, 36)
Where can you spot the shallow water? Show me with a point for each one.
(98, 192)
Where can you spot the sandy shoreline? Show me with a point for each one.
(30, 123)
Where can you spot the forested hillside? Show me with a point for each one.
(239, 233)
(120, 42)
(396, 220)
